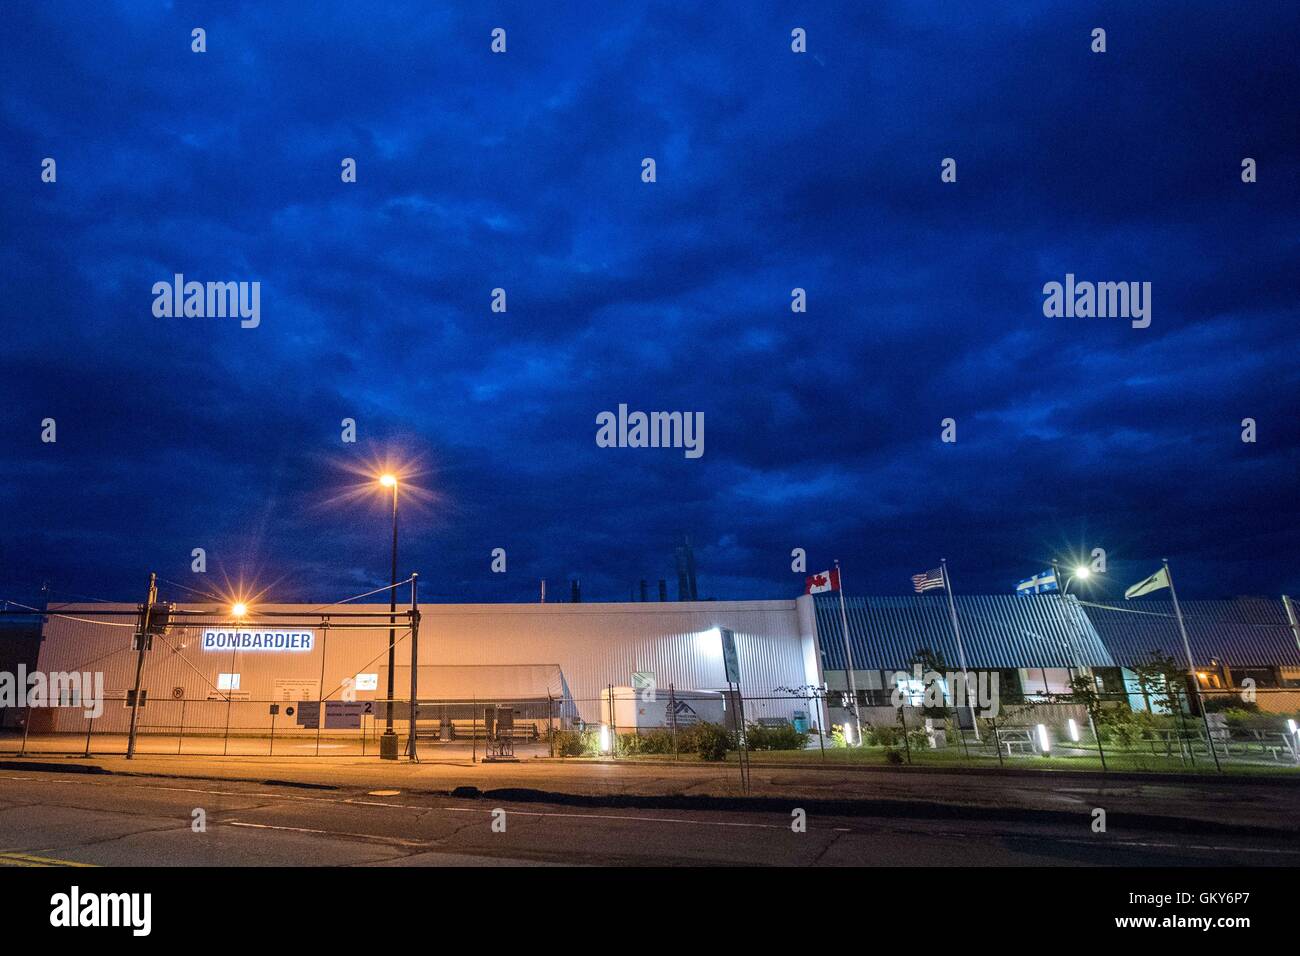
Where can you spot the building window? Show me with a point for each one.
(130, 698)
(227, 682)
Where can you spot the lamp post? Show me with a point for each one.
(388, 742)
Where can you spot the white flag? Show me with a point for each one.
(1154, 583)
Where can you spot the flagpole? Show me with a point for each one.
(961, 652)
(848, 653)
(1191, 665)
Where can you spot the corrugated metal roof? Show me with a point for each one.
(1247, 632)
(1003, 630)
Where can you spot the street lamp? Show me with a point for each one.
(388, 742)
(238, 609)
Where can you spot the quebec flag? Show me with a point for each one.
(1038, 583)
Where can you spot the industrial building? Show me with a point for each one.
(558, 658)
(558, 662)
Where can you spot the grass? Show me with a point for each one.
(956, 758)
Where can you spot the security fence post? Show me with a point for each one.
(672, 716)
(473, 732)
(997, 741)
(180, 738)
(613, 724)
(1101, 752)
(907, 744)
(90, 725)
(27, 726)
(550, 722)
(821, 730)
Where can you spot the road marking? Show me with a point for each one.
(18, 858)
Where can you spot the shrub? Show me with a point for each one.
(837, 736)
(894, 757)
(576, 743)
(883, 735)
(710, 741)
(780, 737)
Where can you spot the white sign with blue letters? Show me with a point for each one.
(251, 640)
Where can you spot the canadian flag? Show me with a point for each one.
(826, 581)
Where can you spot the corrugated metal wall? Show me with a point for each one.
(594, 645)
(997, 631)
(1248, 632)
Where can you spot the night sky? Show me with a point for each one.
(522, 171)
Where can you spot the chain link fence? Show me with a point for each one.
(1233, 730)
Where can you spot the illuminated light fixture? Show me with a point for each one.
(388, 481)
(239, 609)
(604, 738)
(1291, 726)
(1082, 572)
(1044, 742)
(1074, 730)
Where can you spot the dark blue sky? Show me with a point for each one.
(522, 171)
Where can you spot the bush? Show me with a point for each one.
(710, 741)
(894, 757)
(883, 735)
(576, 743)
(780, 737)
(837, 736)
(1214, 705)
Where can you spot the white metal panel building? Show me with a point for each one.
(571, 652)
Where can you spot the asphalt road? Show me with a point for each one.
(110, 820)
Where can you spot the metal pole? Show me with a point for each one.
(230, 700)
(848, 654)
(271, 752)
(997, 741)
(1075, 615)
(392, 630)
(821, 729)
(1196, 683)
(613, 724)
(550, 721)
(672, 712)
(320, 690)
(415, 662)
(89, 726)
(180, 738)
(902, 716)
(473, 733)
(961, 651)
(1291, 619)
(27, 726)
(145, 611)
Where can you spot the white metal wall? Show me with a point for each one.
(593, 645)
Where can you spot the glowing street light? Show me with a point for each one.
(239, 609)
(388, 742)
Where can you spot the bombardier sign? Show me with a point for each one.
(299, 641)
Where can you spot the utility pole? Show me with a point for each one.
(388, 742)
(142, 642)
(415, 663)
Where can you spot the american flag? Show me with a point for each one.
(928, 581)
